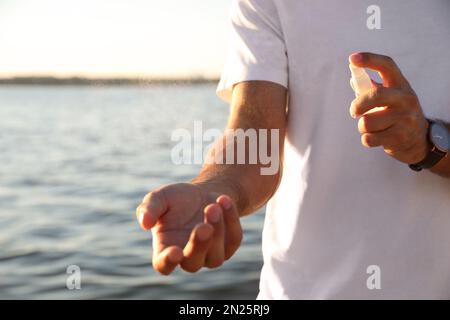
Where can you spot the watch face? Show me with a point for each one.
(440, 136)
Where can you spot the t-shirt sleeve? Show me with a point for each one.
(256, 47)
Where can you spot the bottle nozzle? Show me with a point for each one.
(357, 72)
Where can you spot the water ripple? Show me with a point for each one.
(75, 163)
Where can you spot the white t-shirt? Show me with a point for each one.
(346, 218)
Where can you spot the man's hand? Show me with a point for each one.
(400, 127)
(198, 224)
(191, 226)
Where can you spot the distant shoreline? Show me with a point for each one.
(81, 81)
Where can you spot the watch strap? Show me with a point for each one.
(433, 157)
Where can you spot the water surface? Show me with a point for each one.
(75, 162)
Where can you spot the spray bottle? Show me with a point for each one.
(360, 81)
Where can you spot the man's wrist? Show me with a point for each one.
(422, 152)
(224, 185)
(435, 151)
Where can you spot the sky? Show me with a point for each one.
(111, 38)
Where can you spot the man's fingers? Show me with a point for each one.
(167, 260)
(393, 138)
(384, 138)
(380, 97)
(377, 121)
(233, 228)
(151, 209)
(195, 250)
(216, 254)
(386, 66)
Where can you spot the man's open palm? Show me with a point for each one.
(191, 226)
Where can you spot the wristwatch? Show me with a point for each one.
(439, 138)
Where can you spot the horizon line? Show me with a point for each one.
(87, 80)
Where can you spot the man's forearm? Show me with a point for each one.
(258, 106)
